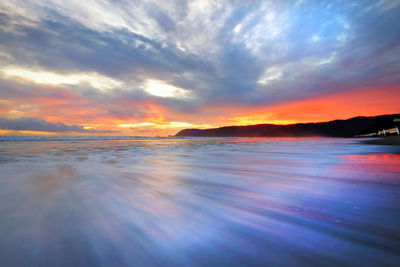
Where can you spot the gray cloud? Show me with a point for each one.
(162, 18)
(34, 124)
(220, 51)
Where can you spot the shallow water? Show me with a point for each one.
(144, 202)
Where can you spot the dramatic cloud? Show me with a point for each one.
(133, 62)
(33, 124)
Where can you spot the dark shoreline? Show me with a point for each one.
(387, 141)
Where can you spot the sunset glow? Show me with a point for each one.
(94, 69)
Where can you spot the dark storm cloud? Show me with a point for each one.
(34, 124)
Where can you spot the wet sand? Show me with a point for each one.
(387, 141)
(199, 202)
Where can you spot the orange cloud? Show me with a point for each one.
(73, 108)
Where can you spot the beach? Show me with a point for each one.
(199, 201)
(387, 140)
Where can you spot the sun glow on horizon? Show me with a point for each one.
(172, 124)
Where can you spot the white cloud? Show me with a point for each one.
(162, 89)
(316, 38)
(327, 60)
(43, 77)
(269, 29)
(271, 74)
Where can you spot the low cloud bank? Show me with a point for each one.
(34, 124)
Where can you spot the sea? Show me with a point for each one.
(136, 201)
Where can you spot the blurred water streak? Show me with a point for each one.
(234, 201)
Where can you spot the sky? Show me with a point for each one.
(150, 68)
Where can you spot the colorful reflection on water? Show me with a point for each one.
(199, 202)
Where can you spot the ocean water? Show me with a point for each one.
(198, 201)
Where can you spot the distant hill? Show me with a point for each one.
(336, 128)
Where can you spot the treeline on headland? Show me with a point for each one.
(337, 128)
